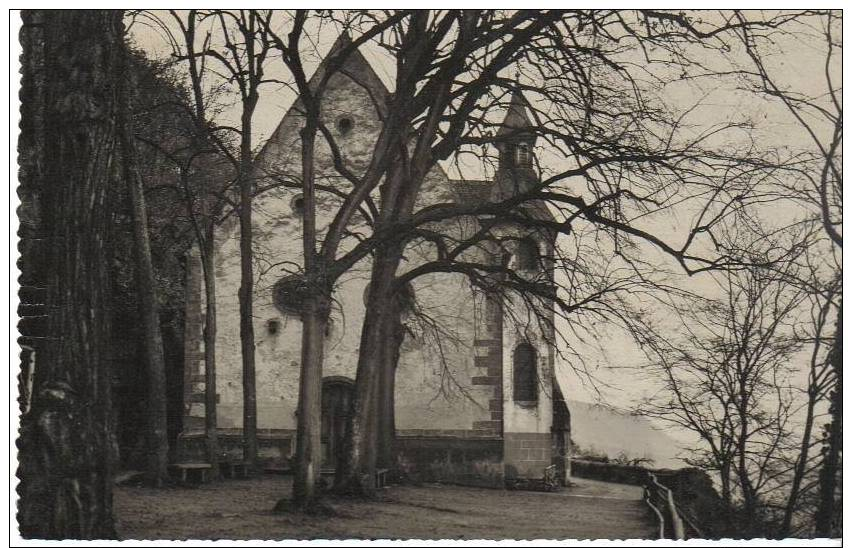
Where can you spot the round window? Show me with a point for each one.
(345, 125)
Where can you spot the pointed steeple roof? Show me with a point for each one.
(517, 120)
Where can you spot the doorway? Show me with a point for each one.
(336, 403)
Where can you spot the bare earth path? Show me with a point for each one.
(241, 509)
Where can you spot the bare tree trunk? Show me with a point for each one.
(66, 447)
(804, 448)
(246, 296)
(308, 441)
(211, 425)
(386, 419)
(158, 443)
(798, 470)
(32, 229)
(314, 322)
(826, 512)
(725, 480)
(749, 501)
(204, 235)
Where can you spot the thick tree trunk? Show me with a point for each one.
(158, 443)
(308, 440)
(246, 297)
(386, 418)
(66, 447)
(32, 263)
(357, 473)
(826, 511)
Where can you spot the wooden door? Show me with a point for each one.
(336, 401)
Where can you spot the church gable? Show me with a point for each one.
(352, 108)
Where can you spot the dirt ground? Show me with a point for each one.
(242, 509)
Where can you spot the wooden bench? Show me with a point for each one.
(198, 471)
(234, 469)
(381, 478)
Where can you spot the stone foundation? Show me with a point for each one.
(526, 455)
(463, 461)
(464, 458)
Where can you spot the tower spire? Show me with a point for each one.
(517, 119)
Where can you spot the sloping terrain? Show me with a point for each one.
(241, 509)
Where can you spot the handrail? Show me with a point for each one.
(689, 521)
(677, 522)
(647, 496)
(661, 500)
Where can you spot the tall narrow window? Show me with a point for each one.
(297, 204)
(524, 376)
(526, 255)
(522, 155)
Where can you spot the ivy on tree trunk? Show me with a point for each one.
(67, 444)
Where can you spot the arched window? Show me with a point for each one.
(526, 255)
(524, 374)
(297, 204)
(523, 157)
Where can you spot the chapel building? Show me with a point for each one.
(476, 400)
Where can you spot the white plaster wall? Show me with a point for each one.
(522, 325)
(433, 381)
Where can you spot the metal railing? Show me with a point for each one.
(674, 524)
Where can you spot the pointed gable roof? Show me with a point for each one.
(355, 66)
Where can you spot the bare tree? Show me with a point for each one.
(317, 279)
(158, 444)
(448, 116)
(236, 43)
(817, 182)
(625, 157)
(819, 384)
(248, 47)
(728, 377)
(203, 194)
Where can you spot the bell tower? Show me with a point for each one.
(515, 141)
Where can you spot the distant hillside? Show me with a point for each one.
(605, 430)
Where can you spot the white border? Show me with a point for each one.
(12, 301)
